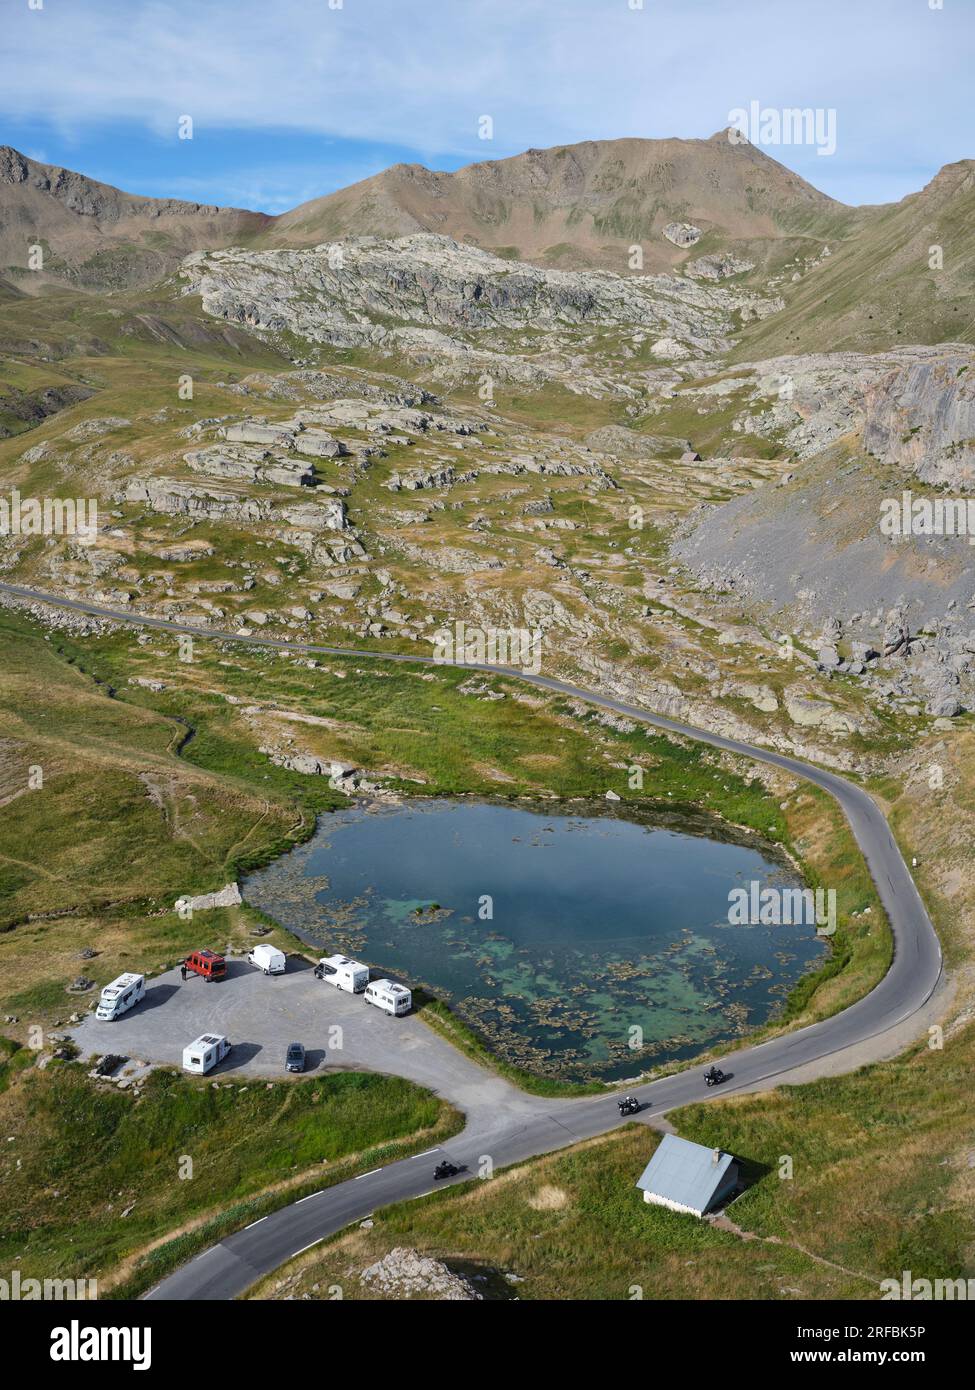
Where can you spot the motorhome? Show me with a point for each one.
(269, 959)
(389, 996)
(205, 1052)
(120, 996)
(344, 973)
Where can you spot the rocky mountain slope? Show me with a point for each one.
(586, 204)
(386, 433)
(863, 430)
(711, 210)
(906, 276)
(93, 235)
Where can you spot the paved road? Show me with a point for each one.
(229, 1268)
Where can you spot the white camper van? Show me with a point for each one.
(268, 958)
(345, 974)
(393, 998)
(203, 1055)
(120, 996)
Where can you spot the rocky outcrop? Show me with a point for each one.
(921, 417)
(419, 478)
(224, 897)
(290, 435)
(408, 1274)
(250, 465)
(718, 267)
(206, 502)
(347, 294)
(683, 233)
(629, 444)
(810, 713)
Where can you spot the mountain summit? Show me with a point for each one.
(584, 205)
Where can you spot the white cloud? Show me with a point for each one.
(421, 72)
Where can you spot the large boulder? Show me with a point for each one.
(683, 233)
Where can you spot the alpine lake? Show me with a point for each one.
(584, 945)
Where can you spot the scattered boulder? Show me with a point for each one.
(683, 233)
(406, 1274)
(863, 652)
(945, 706)
(224, 897)
(818, 714)
(108, 1064)
(717, 267)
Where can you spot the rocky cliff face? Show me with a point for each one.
(900, 611)
(921, 416)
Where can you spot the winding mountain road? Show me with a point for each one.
(534, 1125)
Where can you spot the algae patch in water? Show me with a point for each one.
(580, 946)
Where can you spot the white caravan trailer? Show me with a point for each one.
(203, 1055)
(395, 999)
(345, 974)
(269, 959)
(120, 996)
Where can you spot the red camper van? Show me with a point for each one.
(208, 964)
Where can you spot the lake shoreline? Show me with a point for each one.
(556, 1036)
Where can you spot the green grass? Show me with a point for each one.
(849, 1181)
(880, 1162)
(92, 1174)
(568, 1226)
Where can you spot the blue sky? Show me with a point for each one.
(294, 98)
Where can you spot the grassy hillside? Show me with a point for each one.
(95, 1178)
(884, 285)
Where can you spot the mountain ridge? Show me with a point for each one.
(711, 209)
(581, 205)
(574, 206)
(95, 236)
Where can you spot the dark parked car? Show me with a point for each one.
(295, 1060)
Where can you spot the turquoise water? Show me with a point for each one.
(598, 926)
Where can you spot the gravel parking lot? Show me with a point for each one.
(261, 1014)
